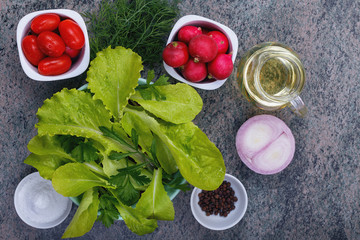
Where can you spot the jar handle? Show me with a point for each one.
(298, 107)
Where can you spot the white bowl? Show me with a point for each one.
(38, 204)
(216, 222)
(77, 67)
(209, 24)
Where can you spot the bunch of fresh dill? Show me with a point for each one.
(140, 25)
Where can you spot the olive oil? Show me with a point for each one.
(271, 76)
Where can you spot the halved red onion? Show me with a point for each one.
(265, 144)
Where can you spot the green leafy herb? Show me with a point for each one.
(153, 153)
(134, 137)
(84, 152)
(124, 179)
(190, 147)
(98, 146)
(176, 181)
(111, 134)
(140, 25)
(132, 171)
(148, 90)
(125, 190)
(119, 156)
(107, 209)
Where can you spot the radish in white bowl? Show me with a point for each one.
(265, 144)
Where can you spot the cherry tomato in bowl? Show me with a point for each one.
(51, 66)
(80, 62)
(73, 53)
(45, 22)
(31, 50)
(51, 44)
(72, 34)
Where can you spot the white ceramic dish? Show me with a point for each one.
(216, 222)
(38, 204)
(77, 67)
(209, 24)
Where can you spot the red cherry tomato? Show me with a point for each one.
(45, 22)
(73, 53)
(31, 50)
(51, 44)
(72, 34)
(51, 66)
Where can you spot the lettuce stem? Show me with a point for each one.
(96, 168)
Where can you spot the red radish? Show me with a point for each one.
(265, 144)
(220, 39)
(186, 33)
(175, 54)
(194, 71)
(203, 48)
(221, 67)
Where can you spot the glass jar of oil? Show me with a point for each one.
(272, 76)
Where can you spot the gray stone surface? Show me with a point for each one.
(316, 197)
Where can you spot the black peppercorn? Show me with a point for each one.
(218, 202)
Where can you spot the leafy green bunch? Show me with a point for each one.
(140, 25)
(120, 148)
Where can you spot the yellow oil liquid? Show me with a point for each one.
(270, 76)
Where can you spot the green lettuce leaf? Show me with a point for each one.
(146, 138)
(113, 76)
(182, 103)
(73, 112)
(76, 113)
(164, 156)
(85, 152)
(85, 215)
(111, 168)
(198, 159)
(154, 202)
(135, 220)
(48, 145)
(47, 154)
(73, 179)
(46, 164)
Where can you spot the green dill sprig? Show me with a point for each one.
(140, 25)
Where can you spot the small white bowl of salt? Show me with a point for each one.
(38, 204)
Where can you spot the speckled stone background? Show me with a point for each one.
(316, 197)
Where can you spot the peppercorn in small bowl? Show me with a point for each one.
(222, 208)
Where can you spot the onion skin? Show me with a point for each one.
(271, 133)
